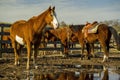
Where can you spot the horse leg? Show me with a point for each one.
(19, 50)
(106, 53)
(14, 45)
(28, 54)
(88, 47)
(65, 50)
(92, 49)
(55, 46)
(82, 48)
(36, 46)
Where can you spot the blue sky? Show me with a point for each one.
(69, 11)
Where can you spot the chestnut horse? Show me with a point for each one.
(49, 37)
(103, 35)
(63, 34)
(30, 33)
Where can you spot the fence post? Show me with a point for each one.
(1, 42)
(1, 48)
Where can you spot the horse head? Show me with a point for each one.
(51, 18)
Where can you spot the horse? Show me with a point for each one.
(77, 32)
(103, 36)
(30, 32)
(49, 37)
(63, 34)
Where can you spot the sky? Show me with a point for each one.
(69, 11)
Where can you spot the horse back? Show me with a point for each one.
(17, 28)
(103, 29)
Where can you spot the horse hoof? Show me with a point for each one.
(105, 61)
(65, 55)
(17, 64)
(36, 67)
(102, 61)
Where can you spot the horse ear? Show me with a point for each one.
(54, 8)
(49, 8)
(87, 22)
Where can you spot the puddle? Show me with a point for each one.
(77, 72)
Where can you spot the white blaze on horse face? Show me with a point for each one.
(55, 22)
(19, 40)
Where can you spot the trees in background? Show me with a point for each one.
(114, 23)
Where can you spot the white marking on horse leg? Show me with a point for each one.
(28, 64)
(15, 63)
(18, 62)
(104, 58)
(34, 63)
(36, 67)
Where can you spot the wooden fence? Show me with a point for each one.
(10, 50)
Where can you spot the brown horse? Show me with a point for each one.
(103, 35)
(30, 32)
(63, 34)
(49, 37)
(77, 31)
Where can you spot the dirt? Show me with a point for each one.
(51, 67)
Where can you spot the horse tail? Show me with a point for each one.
(116, 36)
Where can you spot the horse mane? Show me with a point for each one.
(77, 27)
(39, 16)
(20, 21)
(37, 20)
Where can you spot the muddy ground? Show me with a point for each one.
(48, 66)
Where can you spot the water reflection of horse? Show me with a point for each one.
(30, 32)
(103, 35)
(106, 74)
(68, 75)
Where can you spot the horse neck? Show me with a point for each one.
(54, 32)
(39, 23)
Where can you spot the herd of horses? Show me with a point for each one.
(31, 32)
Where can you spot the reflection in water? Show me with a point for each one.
(106, 75)
(70, 75)
(67, 76)
(34, 76)
(85, 76)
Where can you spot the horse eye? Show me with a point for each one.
(51, 14)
